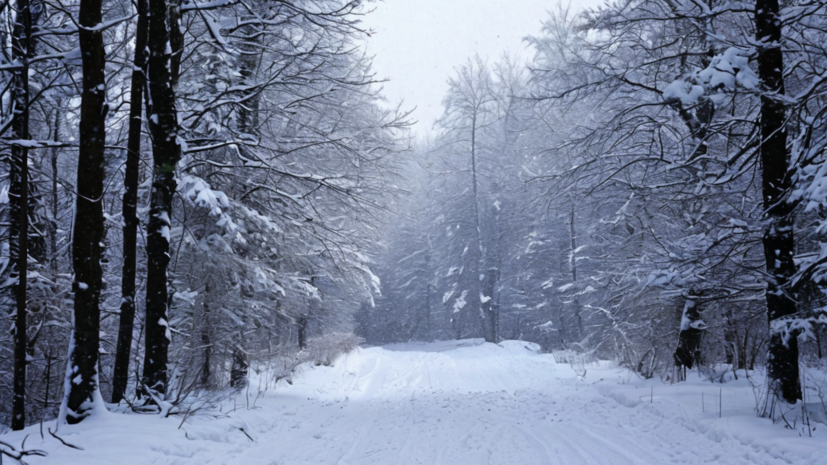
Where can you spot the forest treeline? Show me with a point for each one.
(191, 189)
(648, 188)
(187, 188)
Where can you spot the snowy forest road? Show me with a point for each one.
(457, 403)
(449, 403)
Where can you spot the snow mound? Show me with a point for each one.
(520, 347)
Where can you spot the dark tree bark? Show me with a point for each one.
(249, 108)
(19, 197)
(479, 274)
(49, 359)
(205, 337)
(779, 240)
(456, 324)
(734, 354)
(239, 367)
(428, 290)
(487, 305)
(54, 193)
(302, 323)
(573, 265)
(687, 353)
(166, 152)
(120, 375)
(697, 119)
(88, 232)
(206, 342)
(176, 40)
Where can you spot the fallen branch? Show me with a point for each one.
(62, 441)
(19, 455)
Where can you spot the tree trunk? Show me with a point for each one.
(428, 291)
(487, 305)
(120, 374)
(456, 324)
(480, 274)
(239, 367)
(88, 233)
(19, 196)
(55, 207)
(779, 240)
(689, 339)
(166, 152)
(731, 345)
(249, 107)
(302, 332)
(206, 340)
(573, 265)
(48, 378)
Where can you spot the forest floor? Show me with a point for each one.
(452, 403)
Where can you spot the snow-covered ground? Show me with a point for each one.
(453, 403)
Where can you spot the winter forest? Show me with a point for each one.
(220, 241)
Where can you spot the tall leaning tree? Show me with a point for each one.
(779, 239)
(164, 46)
(82, 397)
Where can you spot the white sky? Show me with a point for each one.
(418, 43)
